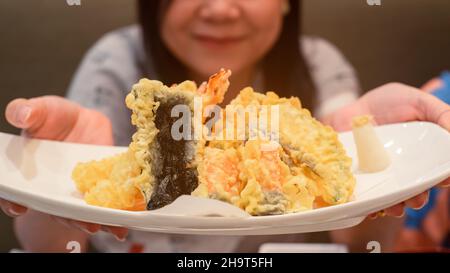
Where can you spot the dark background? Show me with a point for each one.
(43, 41)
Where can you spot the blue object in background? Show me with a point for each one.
(443, 93)
(414, 218)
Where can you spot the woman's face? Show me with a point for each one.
(206, 35)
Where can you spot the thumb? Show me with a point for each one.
(49, 117)
(434, 110)
(18, 113)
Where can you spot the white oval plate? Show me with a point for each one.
(36, 173)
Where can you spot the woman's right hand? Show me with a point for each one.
(56, 118)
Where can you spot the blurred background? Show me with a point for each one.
(43, 41)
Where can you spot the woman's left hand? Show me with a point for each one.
(393, 103)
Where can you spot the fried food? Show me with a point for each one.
(310, 161)
(111, 182)
(304, 167)
(157, 168)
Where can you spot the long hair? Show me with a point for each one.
(284, 67)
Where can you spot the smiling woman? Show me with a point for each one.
(192, 40)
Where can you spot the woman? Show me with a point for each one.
(177, 40)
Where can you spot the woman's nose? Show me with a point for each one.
(220, 10)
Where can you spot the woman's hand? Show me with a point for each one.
(56, 118)
(392, 103)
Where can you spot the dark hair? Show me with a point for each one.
(284, 67)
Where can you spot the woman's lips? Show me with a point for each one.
(218, 42)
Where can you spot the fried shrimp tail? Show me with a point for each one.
(214, 91)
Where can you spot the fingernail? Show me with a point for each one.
(87, 231)
(23, 113)
(424, 203)
(421, 206)
(13, 212)
(120, 239)
(401, 215)
(123, 239)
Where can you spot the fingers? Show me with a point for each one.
(418, 201)
(11, 209)
(14, 210)
(119, 233)
(88, 228)
(396, 211)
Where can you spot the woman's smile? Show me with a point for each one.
(217, 42)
